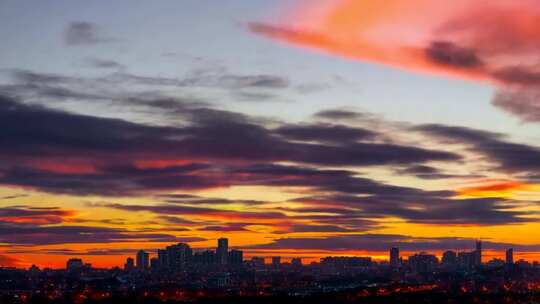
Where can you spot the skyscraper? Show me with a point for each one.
(510, 256)
(423, 262)
(394, 257)
(129, 265)
(478, 253)
(163, 260)
(154, 264)
(467, 259)
(142, 260)
(178, 256)
(206, 257)
(449, 258)
(236, 257)
(257, 261)
(222, 251)
(74, 264)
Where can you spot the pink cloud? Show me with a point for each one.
(497, 42)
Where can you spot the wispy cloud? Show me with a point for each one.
(84, 33)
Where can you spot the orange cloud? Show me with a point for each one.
(497, 188)
(35, 216)
(9, 261)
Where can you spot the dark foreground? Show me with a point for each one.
(327, 298)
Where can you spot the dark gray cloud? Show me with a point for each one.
(229, 227)
(25, 76)
(187, 199)
(381, 242)
(110, 145)
(30, 235)
(506, 155)
(340, 115)
(117, 88)
(217, 148)
(255, 97)
(428, 172)
(167, 209)
(523, 103)
(521, 75)
(330, 133)
(335, 181)
(80, 33)
(243, 82)
(427, 208)
(448, 54)
(360, 200)
(33, 215)
(44, 88)
(105, 64)
(113, 181)
(220, 80)
(301, 228)
(25, 211)
(48, 131)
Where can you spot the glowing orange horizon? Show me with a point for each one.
(308, 256)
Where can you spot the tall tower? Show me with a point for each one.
(177, 256)
(129, 265)
(394, 257)
(478, 256)
(510, 256)
(222, 251)
(163, 259)
(142, 260)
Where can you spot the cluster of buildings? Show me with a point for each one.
(180, 273)
(451, 260)
(181, 256)
(346, 262)
(73, 265)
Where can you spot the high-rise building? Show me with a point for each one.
(346, 262)
(129, 265)
(257, 261)
(296, 262)
(510, 256)
(142, 260)
(449, 258)
(478, 253)
(423, 262)
(206, 257)
(163, 261)
(394, 257)
(467, 259)
(178, 256)
(222, 251)
(236, 257)
(276, 261)
(74, 264)
(34, 269)
(154, 264)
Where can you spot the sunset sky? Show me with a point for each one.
(293, 127)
